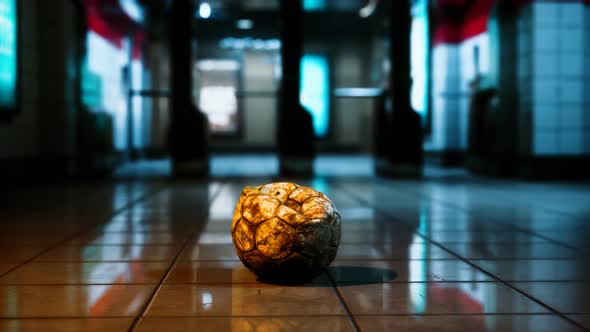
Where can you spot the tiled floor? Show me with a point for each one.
(460, 254)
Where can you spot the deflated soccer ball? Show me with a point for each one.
(285, 232)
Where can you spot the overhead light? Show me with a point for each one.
(369, 8)
(132, 9)
(245, 24)
(205, 10)
(218, 65)
(250, 43)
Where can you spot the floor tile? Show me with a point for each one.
(376, 236)
(210, 238)
(66, 325)
(512, 251)
(463, 224)
(19, 254)
(245, 300)
(138, 238)
(31, 240)
(123, 227)
(567, 297)
(396, 251)
(217, 227)
(436, 298)
(545, 223)
(575, 238)
(222, 272)
(109, 253)
(388, 228)
(239, 324)
(483, 237)
(73, 301)
(475, 323)
(6, 267)
(376, 271)
(209, 252)
(581, 319)
(537, 269)
(86, 273)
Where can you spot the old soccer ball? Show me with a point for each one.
(285, 232)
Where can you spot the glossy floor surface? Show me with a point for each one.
(440, 254)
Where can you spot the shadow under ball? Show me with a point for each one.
(284, 232)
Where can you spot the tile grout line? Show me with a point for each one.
(511, 227)
(355, 325)
(78, 233)
(137, 319)
(495, 221)
(536, 206)
(465, 260)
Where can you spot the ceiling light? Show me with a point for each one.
(245, 24)
(132, 9)
(205, 10)
(218, 65)
(369, 8)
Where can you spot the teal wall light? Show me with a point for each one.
(8, 54)
(315, 91)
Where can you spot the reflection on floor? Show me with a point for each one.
(466, 254)
(258, 165)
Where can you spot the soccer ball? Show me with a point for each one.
(285, 232)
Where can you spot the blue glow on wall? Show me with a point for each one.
(419, 58)
(8, 54)
(103, 84)
(315, 91)
(311, 5)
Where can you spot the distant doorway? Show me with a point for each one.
(218, 83)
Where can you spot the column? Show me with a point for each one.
(187, 134)
(59, 111)
(405, 155)
(295, 130)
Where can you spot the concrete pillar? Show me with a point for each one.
(405, 154)
(493, 127)
(295, 131)
(58, 77)
(187, 135)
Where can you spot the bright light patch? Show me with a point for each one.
(137, 105)
(206, 300)
(218, 65)
(250, 44)
(357, 92)
(220, 105)
(419, 58)
(419, 268)
(103, 82)
(8, 53)
(315, 93)
(133, 9)
(244, 24)
(312, 5)
(205, 10)
(368, 9)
